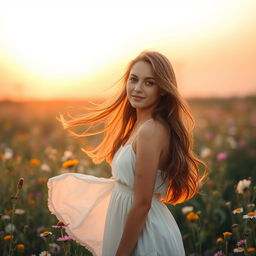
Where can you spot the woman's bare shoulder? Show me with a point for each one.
(154, 129)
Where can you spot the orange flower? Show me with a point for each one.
(34, 162)
(20, 247)
(69, 163)
(31, 202)
(251, 213)
(227, 235)
(8, 237)
(22, 137)
(251, 249)
(1, 156)
(41, 180)
(192, 216)
(219, 240)
(46, 233)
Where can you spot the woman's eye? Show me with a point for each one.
(150, 83)
(132, 79)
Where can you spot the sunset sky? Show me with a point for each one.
(74, 49)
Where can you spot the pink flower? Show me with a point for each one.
(222, 156)
(60, 225)
(219, 253)
(64, 238)
(241, 242)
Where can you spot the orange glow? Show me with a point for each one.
(71, 49)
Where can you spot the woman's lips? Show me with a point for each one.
(137, 97)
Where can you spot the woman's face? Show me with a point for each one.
(142, 90)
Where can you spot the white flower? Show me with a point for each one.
(232, 142)
(8, 153)
(19, 211)
(9, 228)
(44, 253)
(5, 217)
(242, 185)
(205, 152)
(45, 167)
(238, 210)
(54, 248)
(67, 155)
(187, 209)
(239, 249)
(250, 215)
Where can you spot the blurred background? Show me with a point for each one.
(55, 55)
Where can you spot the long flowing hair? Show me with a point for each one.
(182, 172)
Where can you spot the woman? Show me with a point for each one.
(148, 142)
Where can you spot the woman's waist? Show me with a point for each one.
(122, 186)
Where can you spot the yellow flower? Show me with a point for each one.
(219, 240)
(20, 247)
(34, 162)
(251, 249)
(192, 216)
(8, 237)
(69, 163)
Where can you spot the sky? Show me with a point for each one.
(75, 49)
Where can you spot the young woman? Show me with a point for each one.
(148, 142)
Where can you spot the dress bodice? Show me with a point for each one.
(123, 168)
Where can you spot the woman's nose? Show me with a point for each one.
(137, 87)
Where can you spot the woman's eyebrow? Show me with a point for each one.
(149, 77)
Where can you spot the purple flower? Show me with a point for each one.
(222, 156)
(64, 238)
(219, 253)
(60, 225)
(241, 242)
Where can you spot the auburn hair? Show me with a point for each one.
(182, 173)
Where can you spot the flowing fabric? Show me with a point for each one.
(96, 210)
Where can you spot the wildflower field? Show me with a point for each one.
(221, 220)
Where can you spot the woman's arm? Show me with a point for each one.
(148, 150)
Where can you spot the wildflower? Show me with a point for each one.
(69, 163)
(250, 215)
(41, 180)
(205, 152)
(234, 225)
(227, 235)
(192, 216)
(7, 237)
(238, 210)
(19, 211)
(31, 202)
(45, 167)
(8, 154)
(46, 233)
(54, 248)
(187, 209)
(60, 225)
(251, 249)
(5, 217)
(67, 155)
(219, 240)
(20, 183)
(222, 156)
(44, 253)
(243, 186)
(251, 205)
(241, 242)
(218, 253)
(34, 162)
(64, 238)
(10, 228)
(215, 192)
(20, 247)
(239, 249)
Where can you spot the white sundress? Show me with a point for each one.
(96, 210)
